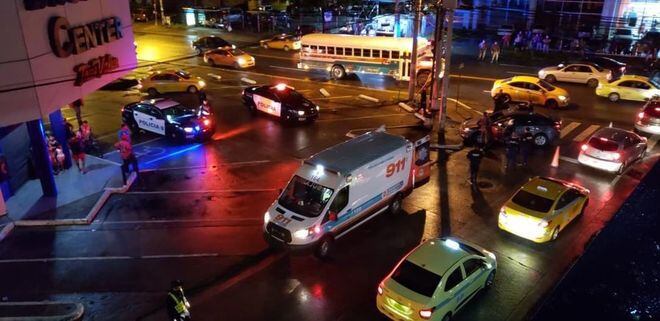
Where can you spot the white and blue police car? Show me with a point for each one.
(281, 101)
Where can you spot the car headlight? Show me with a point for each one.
(241, 61)
(188, 129)
(301, 234)
(562, 97)
(503, 215)
(201, 83)
(266, 217)
(301, 113)
(318, 108)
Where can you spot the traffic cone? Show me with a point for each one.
(555, 158)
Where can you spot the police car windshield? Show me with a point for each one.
(532, 201)
(289, 96)
(304, 197)
(416, 278)
(175, 111)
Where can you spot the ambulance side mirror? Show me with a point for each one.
(332, 215)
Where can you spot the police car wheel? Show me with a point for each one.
(324, 248)
(395, 205)
(540, 140)
(489, 280)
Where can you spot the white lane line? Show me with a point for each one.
(487, 91)
(521, 73)
(335, 97)
(568, 159)
(364, 117)
(568, 129)
(651, 142)
(583, 135)
(287, 68)
(244, 190)
(464, 105)
(108, 258)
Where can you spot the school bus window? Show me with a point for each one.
(340, 51)
(305, 48)
(385, 54)
(375, 53)
(366, 53)
(349, 51)
(322, 49)
(358, 52)
(314, 48)
(395, 55)
(331, 50)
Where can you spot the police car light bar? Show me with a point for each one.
(452, 244)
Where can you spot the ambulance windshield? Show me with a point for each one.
(304, 197)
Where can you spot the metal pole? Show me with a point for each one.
(397, 19)
(162, 13)
(437, 65)
(155, 13)
(413, 61)
(449, 7)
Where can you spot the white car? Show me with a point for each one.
(612, 149)
(591, 75)
(648, 120)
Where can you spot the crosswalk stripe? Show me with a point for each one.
(583, 135)
(569, 128)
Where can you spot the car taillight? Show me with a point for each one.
(206, 122)
(380, 290)
(641, 115)
(426, 313)
(616, 155)
(122, 109)
(584, 147)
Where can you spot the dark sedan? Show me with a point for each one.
(167, 118)
(204, 44)
(544, 129)
(280, 101)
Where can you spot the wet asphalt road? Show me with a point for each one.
(197, 215)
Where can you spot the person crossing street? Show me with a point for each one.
(178, 307)
(475, 156)
(128, 158)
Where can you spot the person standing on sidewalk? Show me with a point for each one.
(178, 307)
(77, 147)
(495, 52)
(77, 108)
(546, 44)
(526, 145)
(128, 158)
(474, 156)
(124, 131)
(483, 48)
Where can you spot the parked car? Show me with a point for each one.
(141, 15)
(612, 149)
(544, 129)
(629, 87)
(203, 44)
(589, 74)
(648, 119)
(170, 81)
(532, 90)
(229, 57)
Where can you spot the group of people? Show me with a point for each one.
(495, 50)
(528, 40)
(79, 141)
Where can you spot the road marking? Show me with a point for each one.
(108, 258)
(187, 149)
(487, 91)
(590, 130)
(464, 105)
(568, 129)
(651, 142)
(568, 159)
(288, 68)
(363, 117)
(472, 77)
(521, 73)
(336, 97)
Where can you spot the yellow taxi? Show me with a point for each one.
(435, 280)
(531, 89)
(283, 41)
(170, 81)
(229, 57)
(629, 87)
(542, 208)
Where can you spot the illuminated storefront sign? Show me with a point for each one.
(81, 38)
(95, 68)
(41, 4)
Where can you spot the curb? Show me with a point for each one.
(76, 314)
(107, 192)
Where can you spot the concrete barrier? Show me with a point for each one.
(406, 107)
(248, 80)
(324, 92)
(369, 98)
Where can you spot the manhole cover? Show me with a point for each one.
(483, 184)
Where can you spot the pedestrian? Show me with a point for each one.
(506, 40)
(474, 156)
(178, 307)
(485, 129)
(511, 146)
(483, 48)
(546, 44)
(495, 52)
(77, 107)
(124, 130)
(128, 158)
(77, 147)
(526, 145)
(517, 43)
(501, 101)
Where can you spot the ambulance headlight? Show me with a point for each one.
(266, 217)
(301, 234)
(301, 113)
(188, 129)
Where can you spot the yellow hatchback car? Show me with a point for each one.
(542, 208)
(170, 81)
(532, 90)
(435, 280)
(629, 88)
(283, 41)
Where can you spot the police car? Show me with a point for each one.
(280, 101)
(168, 118)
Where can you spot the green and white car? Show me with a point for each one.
(435, 280)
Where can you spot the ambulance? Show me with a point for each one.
(344, 186)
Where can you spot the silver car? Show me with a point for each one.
(612, 149)
(648, 120)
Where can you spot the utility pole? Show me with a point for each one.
(162, 13)
(413, 60)
(450, 6)
(155, 12)
(444, 12)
